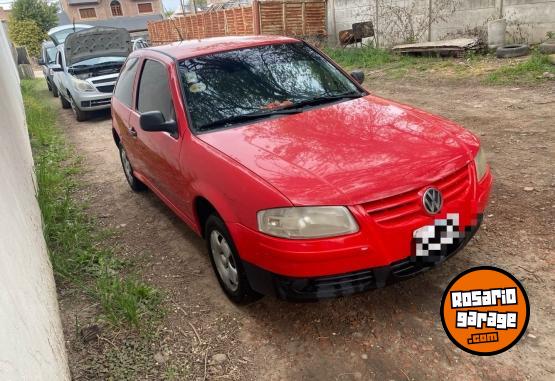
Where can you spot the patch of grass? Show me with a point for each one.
(73, 239)
(394, 65)
(528, 71)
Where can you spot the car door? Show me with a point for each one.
(157, 152)
(122, 104)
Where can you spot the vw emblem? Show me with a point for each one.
(432, 200)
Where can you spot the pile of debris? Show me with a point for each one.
(456, 47)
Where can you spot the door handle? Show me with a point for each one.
(133, 132)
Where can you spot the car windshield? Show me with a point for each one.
(98, 61)
(51, 54)
(239, 85)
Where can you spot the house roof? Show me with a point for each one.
(132, 24)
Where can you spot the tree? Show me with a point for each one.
(26, 33)
(39, 11)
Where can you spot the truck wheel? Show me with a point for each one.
(65, 103)
(227, 264)
(135, 184)
(510, 51)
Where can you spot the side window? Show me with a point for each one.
(59, 59)
(154, 91)
(124, 87)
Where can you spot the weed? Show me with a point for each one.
(528, 71)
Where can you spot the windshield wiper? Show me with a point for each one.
(325, 99)
(247, 117)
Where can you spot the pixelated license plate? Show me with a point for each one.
(438, 239)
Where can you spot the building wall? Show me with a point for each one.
(31, 339)
(528, 20)
(103, 11)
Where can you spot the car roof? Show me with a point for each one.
(193, 48)
(68, 26)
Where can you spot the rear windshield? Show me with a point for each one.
(231, 84)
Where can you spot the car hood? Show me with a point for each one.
(96, 42)
(350, 152)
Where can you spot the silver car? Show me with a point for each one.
(87, 67)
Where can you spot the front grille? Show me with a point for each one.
(105, 89)
(397, 209)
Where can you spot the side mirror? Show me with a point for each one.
(153, 121)
(56, 68)
(358, 75)
(41, 62)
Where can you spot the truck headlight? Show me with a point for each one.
(307, 222)
(481, 164)
(83, 86)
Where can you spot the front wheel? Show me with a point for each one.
(227, 264)
(80, 115)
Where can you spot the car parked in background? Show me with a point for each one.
(87, 67)
(303, 184)
(46, 60)
(139, 43)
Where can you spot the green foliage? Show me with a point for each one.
(26, 33)
(39, 11)
(74, 241)
(523, 72)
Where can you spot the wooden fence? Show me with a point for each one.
(298, 18)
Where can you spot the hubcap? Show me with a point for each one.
(223, 258)
(126, 166)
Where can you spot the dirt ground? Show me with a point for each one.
(393, 333)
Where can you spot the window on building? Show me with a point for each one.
(145, 7)
(115, 6)
(87, 13)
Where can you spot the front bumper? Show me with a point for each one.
(366, 259)
(92, 101)
(308, 289)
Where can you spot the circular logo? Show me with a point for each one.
(432, 200)
(485, 311)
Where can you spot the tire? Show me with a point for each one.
(548, 47)
(510, 51)
(80, 115)
(55, 92)
(49, 86)
(65, 102)
(226, 263)
(134, 183)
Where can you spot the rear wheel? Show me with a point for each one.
(65, 102)
(135, 184)
(227, 264)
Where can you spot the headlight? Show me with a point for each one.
(83, 86)
(307, 222)
(480, 164)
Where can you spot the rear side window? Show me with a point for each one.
(154, 92)
(124, 88)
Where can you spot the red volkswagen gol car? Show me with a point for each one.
(303, 184)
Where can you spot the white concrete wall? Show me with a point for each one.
(31, 339)
(528, 20)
